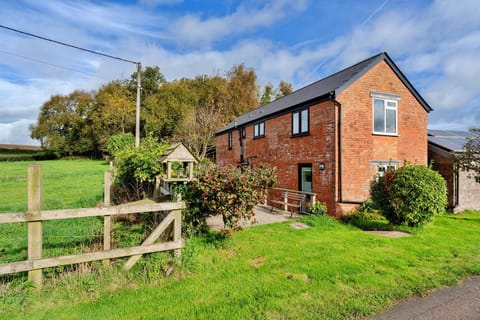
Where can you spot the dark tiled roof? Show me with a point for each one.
(448, 139)
(331, 85)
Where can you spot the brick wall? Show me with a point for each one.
(360, 146)
(279, 149)
(443, 163)
(358, 143)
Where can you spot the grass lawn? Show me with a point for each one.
(66, 184)
(328, 271)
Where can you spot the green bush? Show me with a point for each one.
(120, 142)
(231, 192)
(317, 209)
(411, 195)
(136, 169)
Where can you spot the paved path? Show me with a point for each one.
(262, 216)
(461, 302)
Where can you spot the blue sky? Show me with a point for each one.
(435, 43)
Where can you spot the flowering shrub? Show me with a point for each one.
(231, 192)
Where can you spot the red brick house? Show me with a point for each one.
(332, 136)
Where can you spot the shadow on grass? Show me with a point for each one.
(373, 221)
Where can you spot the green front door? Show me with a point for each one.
(305, 177)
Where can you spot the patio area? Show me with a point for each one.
(263, 215)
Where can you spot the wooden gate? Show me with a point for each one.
(34, 217)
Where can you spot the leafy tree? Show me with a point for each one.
(267, 95)
(205, 116)
(284, 88)
(64, 124)
(270, 93)
(470, 159)
(119, 142)
(165, 110)
(114, 112)
(151, 80)
(410, 195)
(242, 94)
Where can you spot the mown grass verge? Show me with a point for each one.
(328, 271)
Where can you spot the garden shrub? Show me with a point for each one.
(136, 169)
(317, 209)
(411, 195)
(121, 141)
(230, 192)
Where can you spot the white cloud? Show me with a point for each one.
(17, 133)
(436, 47)
(193, 30)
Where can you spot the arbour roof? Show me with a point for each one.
(329, 86)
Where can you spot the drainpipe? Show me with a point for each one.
(241, 144)
(339, 144)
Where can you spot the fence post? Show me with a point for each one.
(285, 201)
(35, 227)
(177, 230)
(107, 220)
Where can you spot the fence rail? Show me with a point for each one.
(34, 217)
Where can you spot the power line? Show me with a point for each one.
(50, 64)
(67, 44)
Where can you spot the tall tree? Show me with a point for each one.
(284, 88)
(267, 94)
(114, 112)
(64, 124)
(164, 110)
(206, 115)
(242, 91)
(270, 93)
(469, 160)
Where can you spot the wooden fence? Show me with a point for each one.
(34, 217)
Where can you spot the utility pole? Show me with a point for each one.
(137, 122)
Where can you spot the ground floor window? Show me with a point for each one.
(383, 166)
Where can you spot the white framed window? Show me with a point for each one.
(259, 130)
(385, 113)
(300, 122)
(382, 168)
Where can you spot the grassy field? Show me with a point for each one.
(328, 271)
(66, 184)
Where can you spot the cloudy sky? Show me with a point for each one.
(435, 43)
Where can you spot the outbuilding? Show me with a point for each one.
(463, 191)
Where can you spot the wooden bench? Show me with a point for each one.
(290, 199)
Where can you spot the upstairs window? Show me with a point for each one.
(300, 122)
(385, 119)
(259, 130)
